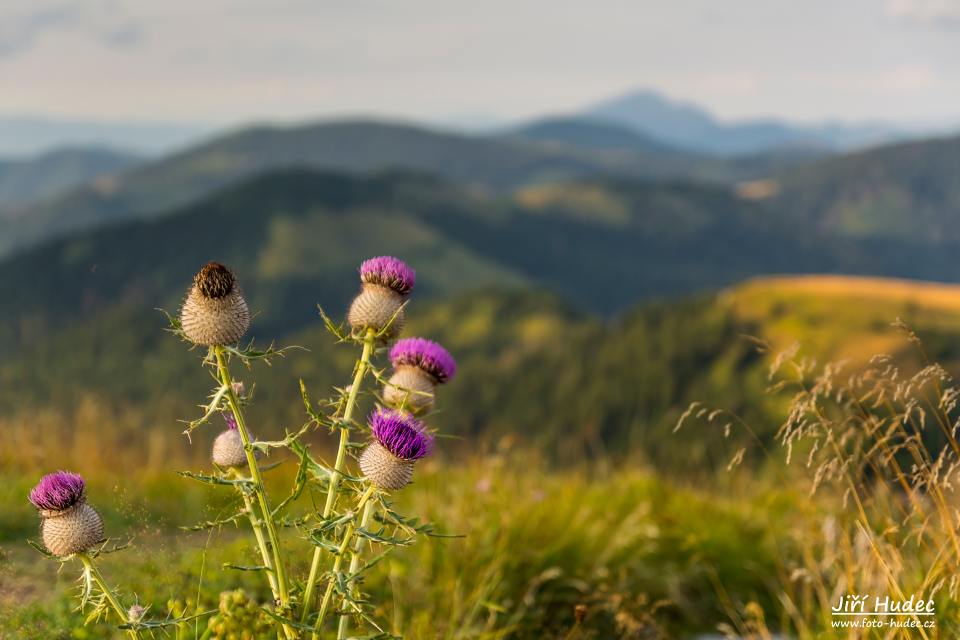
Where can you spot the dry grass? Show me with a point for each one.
(876, 449)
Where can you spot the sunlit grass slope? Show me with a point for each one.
(847, 317)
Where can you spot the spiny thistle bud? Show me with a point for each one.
(228, 448)
(419, 365)
(385, 284)
(215, 312)
(136, 612)
(399, 441)
(67, 523)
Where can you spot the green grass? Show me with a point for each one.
(535, 543)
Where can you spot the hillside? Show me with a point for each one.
(588, 386)
(603, 245)
(589, 134)
(908, 192)
(494, 163)
(823, 313)
(26, 180)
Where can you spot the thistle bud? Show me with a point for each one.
(136, 613)
(385, 284)
(399, 441)
(215, 312)
(228, 448)
(68, 524)
(419, 366)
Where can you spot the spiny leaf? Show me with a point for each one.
(379, 537)
(266, 445)
(210, 524)
(300, 482)
(216, 400)
(249, 354)
(102, 550)
(287, 621)
(168, 622)
(208, 479)
(335, 329)
(42, 550)
(315, 416)
(245, 567)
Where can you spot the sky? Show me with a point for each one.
(232, 61)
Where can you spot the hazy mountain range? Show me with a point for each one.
(688, 126)
(498, 163)
(542, 236)
(646, 112)
(604, 244)
(27, 180)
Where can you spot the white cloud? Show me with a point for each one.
(23, 24)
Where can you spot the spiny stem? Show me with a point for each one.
(354, 565)
(258, 533)
(107, 593)
(338, 561)
(362, 365)
(258, 487)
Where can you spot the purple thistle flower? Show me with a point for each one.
(425, 354)
(229, 418)
(401, 434)
(390, 272)
(58, 491)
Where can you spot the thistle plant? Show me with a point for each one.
(71, 528)
(356, 505)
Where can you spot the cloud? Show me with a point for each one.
(23, 24)
(937, 13)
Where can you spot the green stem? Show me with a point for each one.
(107, 593)
(258, 486)
(255, 524)
(338, 561)
(354, 565)
(362, 365)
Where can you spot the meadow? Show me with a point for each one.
(839, 481)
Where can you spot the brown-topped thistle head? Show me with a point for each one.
(215, 312)
(215, 280)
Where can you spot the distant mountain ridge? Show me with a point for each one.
(494, 163)
(27, 180)
(878, 193)
(688, 126)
